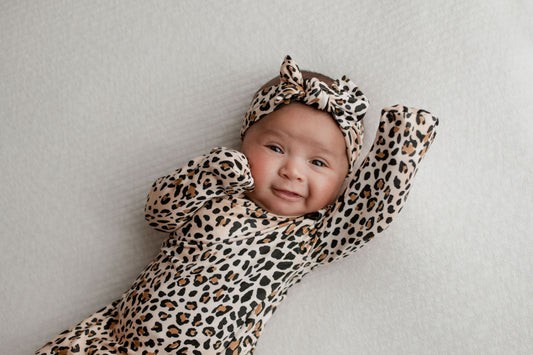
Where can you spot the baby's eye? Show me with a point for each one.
(275, 148)
(318, 162)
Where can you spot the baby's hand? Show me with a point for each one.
(231, 169)
(416, 128)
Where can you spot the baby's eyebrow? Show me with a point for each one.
(275, 132)
(324, 149)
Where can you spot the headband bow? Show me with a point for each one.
(343, 100)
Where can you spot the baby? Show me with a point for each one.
(246, 226)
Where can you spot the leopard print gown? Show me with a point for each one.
(227, 264)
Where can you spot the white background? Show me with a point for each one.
(99, 98)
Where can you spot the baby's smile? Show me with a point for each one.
(286, 194)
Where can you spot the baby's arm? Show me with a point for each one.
(380, 186)
(174, 198)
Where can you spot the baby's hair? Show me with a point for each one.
(306, 74)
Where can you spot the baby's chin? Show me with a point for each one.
(280, 210)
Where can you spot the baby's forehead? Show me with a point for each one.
(273, 124)
(320, 132)
(300, 110)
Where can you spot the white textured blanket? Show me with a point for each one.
(100, 98)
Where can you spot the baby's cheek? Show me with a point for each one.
(258, 181)
(337, 190)
(322, 197)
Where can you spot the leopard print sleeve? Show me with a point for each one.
(175, 197)
(380, 186)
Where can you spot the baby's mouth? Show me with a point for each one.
(285, 194)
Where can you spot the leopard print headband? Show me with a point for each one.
(344, 101)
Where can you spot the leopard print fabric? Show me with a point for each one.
(227, 264)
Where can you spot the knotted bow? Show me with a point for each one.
(343, 100)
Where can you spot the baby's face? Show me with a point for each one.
(298, 160)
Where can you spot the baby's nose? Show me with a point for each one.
(292, 169)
